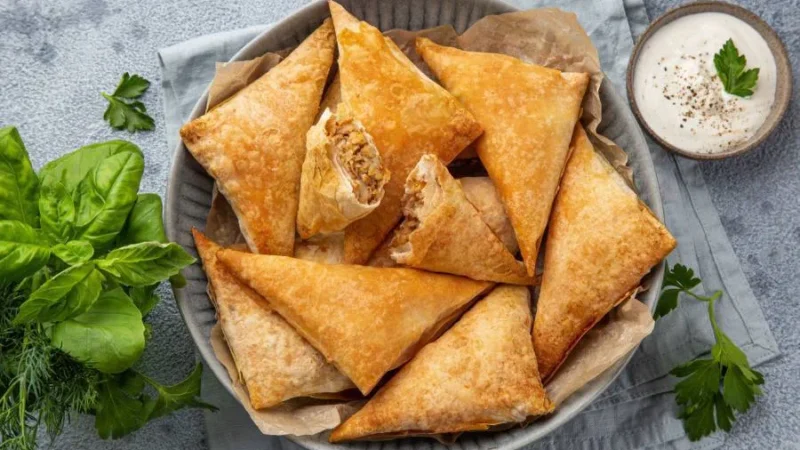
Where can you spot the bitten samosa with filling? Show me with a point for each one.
(527, 113)
(443, 232)
(343, 175)
(253, 144)
(406, 113)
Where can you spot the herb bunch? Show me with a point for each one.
(81, 254)
(712, 388)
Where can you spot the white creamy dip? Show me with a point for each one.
(677, 90)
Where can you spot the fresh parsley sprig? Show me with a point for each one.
(712, 388)
(124, 111)
(730, 67)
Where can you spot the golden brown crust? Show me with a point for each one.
(405, 112)
(254, 143)
(601, 241)
(448, 234)
(527, 113)
(365, 320)
(275, 363)
(480, 373)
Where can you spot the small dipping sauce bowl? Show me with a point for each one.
(782, 81)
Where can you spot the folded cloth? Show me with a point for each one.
(638, 410)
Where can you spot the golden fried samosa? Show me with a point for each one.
(527, 113)
(481, 193)
(481, 373)
(365, 320)
(274, 361)
(254, 143)
(406, 113)
(443, 232)
(600, 243)
(343, 175)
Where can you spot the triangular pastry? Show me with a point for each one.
(343, 175)
(365, 320)
(274, 361)
(253, 144)
(480, 373)
(443, 232)
(406, 113)
(601, 241)
(527, 113)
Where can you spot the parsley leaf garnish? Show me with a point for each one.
(711, 389)
(730, 67)
(124, 111)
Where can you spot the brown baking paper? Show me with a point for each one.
(548, 37)
(232, 76)
(604, 345)
(298, 417)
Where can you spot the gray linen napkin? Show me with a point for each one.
(638, 410)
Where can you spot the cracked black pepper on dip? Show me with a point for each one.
(680, 94)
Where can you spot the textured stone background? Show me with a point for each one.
(56, 57)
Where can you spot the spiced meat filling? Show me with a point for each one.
(358, 158)
(413, 201)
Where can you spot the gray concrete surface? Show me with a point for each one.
(57, 56)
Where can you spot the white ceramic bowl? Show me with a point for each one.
(189, 199)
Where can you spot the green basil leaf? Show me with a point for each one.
(57, 210)
(120, 405)
(108, 337)
(145, 222)
(145, 298)
(74, 252)
(19, 187)
(171, 398)
(68, 294)
(21, 250)
(144, 264)
(73, 167)
(33, 282)
(106, 196)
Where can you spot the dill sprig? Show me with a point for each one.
(39, 384)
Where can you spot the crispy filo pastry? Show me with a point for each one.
(481, 373)
(443, 232)
(406, 113)
(365, 320)
(480, 191)
(323, 248)
(253, 144)
(600, 243)
(274, 361)
(527, 113)
(343, 176)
